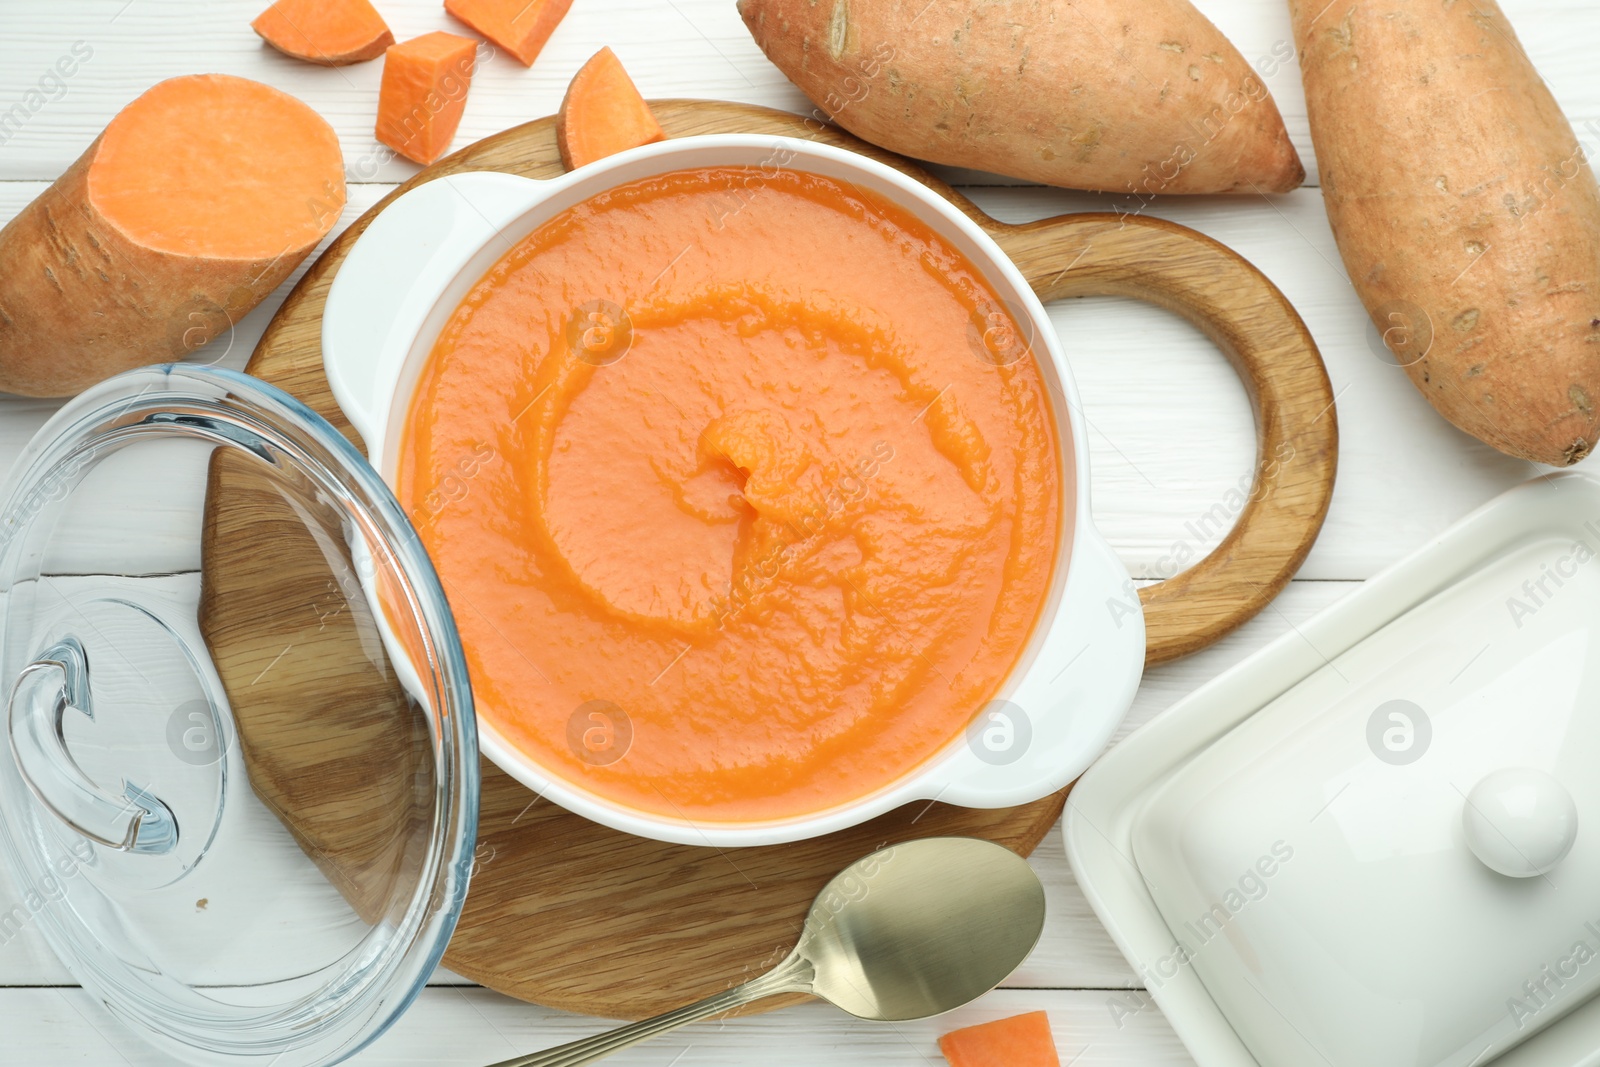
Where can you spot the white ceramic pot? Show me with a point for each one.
(1072, 684)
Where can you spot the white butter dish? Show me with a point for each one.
(1377, 841)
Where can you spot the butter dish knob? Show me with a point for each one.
(1520, 822)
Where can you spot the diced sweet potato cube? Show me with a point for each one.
(424, 92)
(1020, 1041)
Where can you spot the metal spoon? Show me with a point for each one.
(910, 931)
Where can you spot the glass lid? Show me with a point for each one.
(239, 791)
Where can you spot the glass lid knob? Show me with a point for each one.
(52, 685)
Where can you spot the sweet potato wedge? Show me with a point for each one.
(1465, 212)
(152, 244)
(521, 27)
(603, 113)
(1095, 94)
(331, 33)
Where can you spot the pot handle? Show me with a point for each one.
(1245, 315)
(389, 284)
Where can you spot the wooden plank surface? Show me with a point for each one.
(472, 1027)
(1169, 436)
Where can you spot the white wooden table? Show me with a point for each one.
(1170, 434)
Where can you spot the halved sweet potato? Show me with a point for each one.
(194, 203)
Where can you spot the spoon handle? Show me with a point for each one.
(791, 976)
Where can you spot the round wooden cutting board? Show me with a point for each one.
(570, 914)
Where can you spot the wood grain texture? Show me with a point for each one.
(331, 742)
(679, 923)
(1262, 335)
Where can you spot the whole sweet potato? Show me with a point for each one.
(1141, 98)
(1465, 211)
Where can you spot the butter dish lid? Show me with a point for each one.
(238, 794)
(1377, 842)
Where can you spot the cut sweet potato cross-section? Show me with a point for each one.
(603, 113)
(521, 27)
(197, 200)
(167, 171)
(1020, 1041)
(424, 92)
(329, 32)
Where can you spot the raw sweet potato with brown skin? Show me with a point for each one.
(1465, 212)
(1145, 98)
(151, 244)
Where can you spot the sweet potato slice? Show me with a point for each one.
(1020, 1041)
(1466, 212)
(1147, 98)
(332, 33)
(424, 92)
(521, 27)
(603, 113)
(194, 203)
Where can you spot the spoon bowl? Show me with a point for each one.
(912, 930)
(921, 928)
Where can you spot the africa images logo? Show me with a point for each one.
(1549, 984)
(1540, 589)
(49, 888)
(1248, 890)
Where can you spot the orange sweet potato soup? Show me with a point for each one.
(741, 508)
